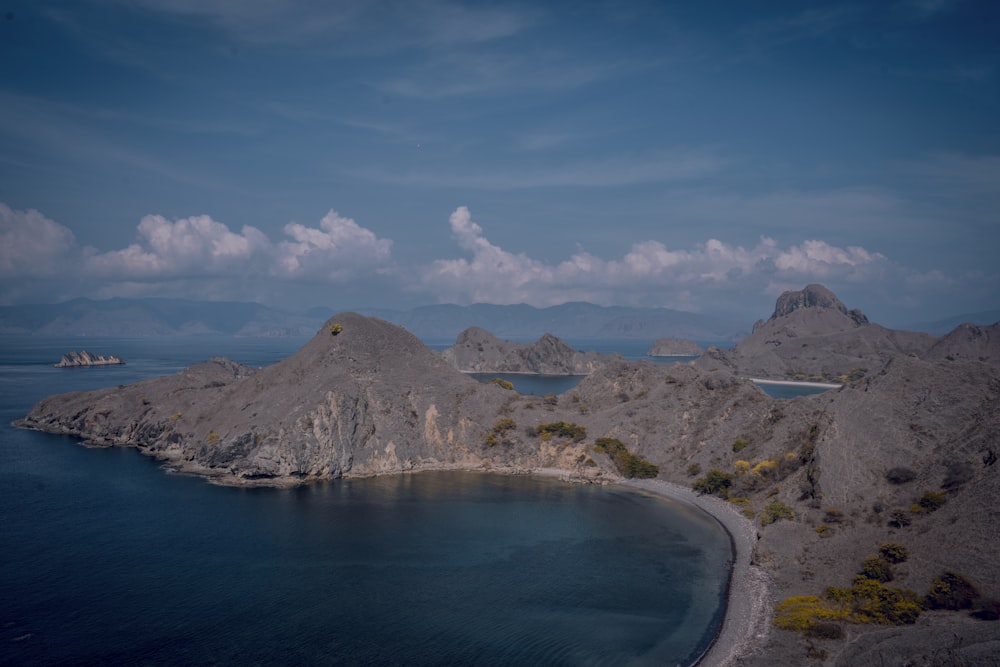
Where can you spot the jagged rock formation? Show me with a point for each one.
(478, 351)
(848, 464)
(84, 358)
(812, 336)
(674, 347)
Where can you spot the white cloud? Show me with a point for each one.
(336, 250)
(32, 245)
(190, 246)
(649, 274)
(194, 255)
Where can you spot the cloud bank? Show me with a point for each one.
(200, 257)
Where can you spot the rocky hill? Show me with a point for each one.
(905, 455)
(478, 351)
(812, 336)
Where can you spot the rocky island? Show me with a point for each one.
(863, 517)
(478, 351)
(84, 358)
(674, 347)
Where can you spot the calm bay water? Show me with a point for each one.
(106, 558)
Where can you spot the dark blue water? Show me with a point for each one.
(106, 558)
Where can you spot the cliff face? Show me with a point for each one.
(478, 351)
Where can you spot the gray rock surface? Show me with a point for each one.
(478, 351)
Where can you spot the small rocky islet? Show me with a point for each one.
(903, 453)
(76, 359)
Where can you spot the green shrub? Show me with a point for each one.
(776, 511)
(503, 384)
(694, 469)
(627, 463)
(213, 438)
(894, 552)
(715, 483)
(336, 329)
(877, 568)
(929, 502)
(950, 590)
(498, 434)
(739, 444)
(574, 432)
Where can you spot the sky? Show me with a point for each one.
(392, 153)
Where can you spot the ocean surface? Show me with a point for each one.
(106, 558)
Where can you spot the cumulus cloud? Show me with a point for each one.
(197, 246)
(649, 274)
(177, 257)
(337, 249)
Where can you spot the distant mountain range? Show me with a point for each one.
(573, 321)
(172, 317)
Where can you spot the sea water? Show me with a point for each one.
(107, 558)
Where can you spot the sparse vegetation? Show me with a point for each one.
(833, 515)
(498, 434)
(894, 552)
(213, 438)
(929, 502)
(627, 463)
(715, 483)
(739, 444)
(868, 600)
(503, 384)
(562, 429)
(950, 590)
(336, 329)
(694, 469)
(776, 511)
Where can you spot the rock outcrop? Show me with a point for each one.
(478, 351)
(84, 358)
(674, 347)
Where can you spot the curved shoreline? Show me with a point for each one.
(745, 623)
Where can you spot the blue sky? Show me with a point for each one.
(702, 156)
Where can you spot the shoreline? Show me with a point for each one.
(797, 383)
(746, 618)
(745, 623)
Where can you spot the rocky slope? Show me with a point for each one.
(478, 351)
(846, 466)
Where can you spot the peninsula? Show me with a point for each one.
(863, 517)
